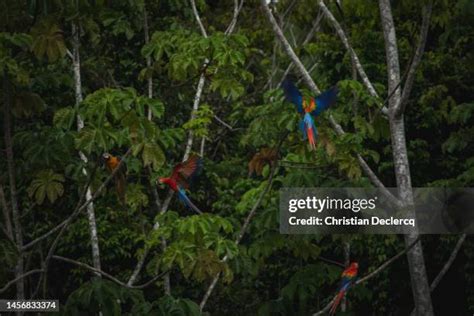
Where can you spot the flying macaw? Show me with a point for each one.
(348, 277)
(309, 107)
(120, 177)
(180, 179)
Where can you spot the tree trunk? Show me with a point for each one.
(19, 268)
(76, 61)
(146, 32)
(416, 262)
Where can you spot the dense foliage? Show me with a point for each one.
(241, 118)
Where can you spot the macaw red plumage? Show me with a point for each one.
(120, 178)
(180, 179)
(348, 277)
(309, 107)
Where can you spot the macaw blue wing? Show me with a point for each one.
(325, 100)
(346, 283)
(292, 94)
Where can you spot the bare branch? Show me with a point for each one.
(420, 48)
(6, 213)
(21, 277)
(223, 123)
(246, 224)
(353, 54)
(198, 18)
(289, 50)
(448, 263)
(108, 276)
(233, 23)
(146, 31)
(446, 266)
(333, 262)
(10, 162)
(69, 54)
(314, 29)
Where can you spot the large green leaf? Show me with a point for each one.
(48, 40)
(48, 184)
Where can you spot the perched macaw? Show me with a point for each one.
(348, 277)
(180, 179)
(120, 177)
(309, 107)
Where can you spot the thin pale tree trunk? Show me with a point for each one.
(419, 280)
(19, 268)
(6, 213)
(76, 61)
(146, 30)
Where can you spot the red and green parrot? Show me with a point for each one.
(180, 179)
(348, 277)
(120, 177)
(309, 107)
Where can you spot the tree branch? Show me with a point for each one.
(289, 50)
(246, 224)
(314, 29)
(233, 23)
(6, 213)
(17, 228)
(21, 277)
(108, 276)
(198, 18)
(448, 264)
(420, 48)
(223, 123)
(352, 53)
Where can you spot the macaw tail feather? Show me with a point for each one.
(187, 202)
(337, 301)
(310, 130)
(311, 140)
(121, 187)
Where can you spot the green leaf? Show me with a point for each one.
(64, 117)
(152, 154)
(48, 184)
(48, 40)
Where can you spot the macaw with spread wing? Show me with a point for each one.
(348, 277)
(180, 179)
(120, 177)
(309, 107)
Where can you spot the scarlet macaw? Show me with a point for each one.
(180, 179)
(120, 178)
(309, 107)
(348, 277)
